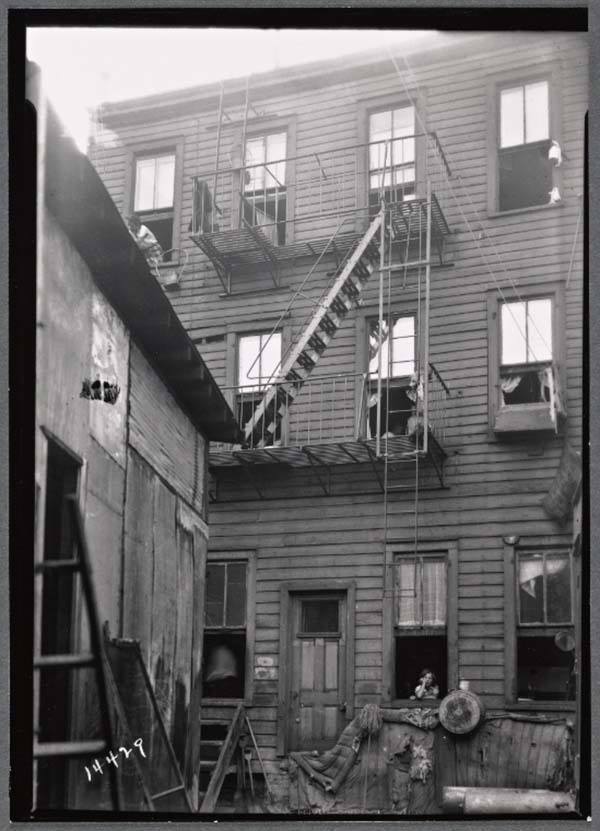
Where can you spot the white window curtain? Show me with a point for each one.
(421, 591)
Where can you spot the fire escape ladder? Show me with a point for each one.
(344, 295)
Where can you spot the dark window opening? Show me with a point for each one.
(319, 615)
(163, 231)
(224, 674)
(267, 210)
(526, 387)
(544, 671)
(58, 614)
(413, 654)
(525, 176)
(396, 409)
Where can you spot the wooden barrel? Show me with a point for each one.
(461, 711)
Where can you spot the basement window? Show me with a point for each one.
(154, 192)
(420, 623)
(397, 372)
(225, 624)
(545, 643)
(265, 192)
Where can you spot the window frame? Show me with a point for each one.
(361, 361)
(549, 72)
(249, 557)
(392, 101)
(260, 333)
(263, 127)
(511, 617)
(450, 550)
(149, 150)
(556, 292)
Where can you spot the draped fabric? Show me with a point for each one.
(421, 592)
(532, 568)
(510, 382)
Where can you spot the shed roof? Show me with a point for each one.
(76, 196)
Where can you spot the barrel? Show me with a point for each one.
(461, 711)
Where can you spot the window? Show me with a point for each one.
(397, 368)
(265, 195)
(420, 615)
(153, 196)
(541, 663)
(259, 356)
(392, 155)
(225, 629)
(420, 621)
(523, 139)
(527, 358)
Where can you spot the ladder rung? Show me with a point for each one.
(45, 750)
(58, 565)
(84, 659)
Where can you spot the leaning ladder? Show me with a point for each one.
(66, 663)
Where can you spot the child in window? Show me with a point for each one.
(427, 686)
(146, 241)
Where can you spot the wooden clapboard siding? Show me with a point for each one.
(493, 488)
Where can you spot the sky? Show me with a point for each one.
(83, 67)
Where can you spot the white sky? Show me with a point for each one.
(85, 66)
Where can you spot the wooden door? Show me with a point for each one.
(319, 641)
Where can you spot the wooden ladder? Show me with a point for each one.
(80, 564)
(344, 295)
(224, 764)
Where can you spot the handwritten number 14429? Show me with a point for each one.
(111, 759)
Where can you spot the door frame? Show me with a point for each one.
(286, 590)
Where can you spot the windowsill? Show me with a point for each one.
(528, 706)
(530, 209)
(411, 704)
(522, 418)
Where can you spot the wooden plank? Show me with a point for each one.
(138, 553)
(224, 761)
(164, 600)
(183, 651)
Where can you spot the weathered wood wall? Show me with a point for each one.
(493, 488)
(142, 491)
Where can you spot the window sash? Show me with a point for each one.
(526, 335)
(420, 592)
(268, 351)
(531, 566)
(268, 150)
(524, 114)
(154, 183)
(403, 348)
(221, 610)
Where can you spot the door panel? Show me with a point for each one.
(318, 670)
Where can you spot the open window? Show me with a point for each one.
(420, 618)
(392, 156)
(225, 630)
(399, 395)
(153, 196)
(541, 646)
(525, 358)
(264, 187)
(258, 359)
(420, 625)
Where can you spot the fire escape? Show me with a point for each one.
(393, 233)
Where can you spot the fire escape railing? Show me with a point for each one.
(336, 408)
(317, 185)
